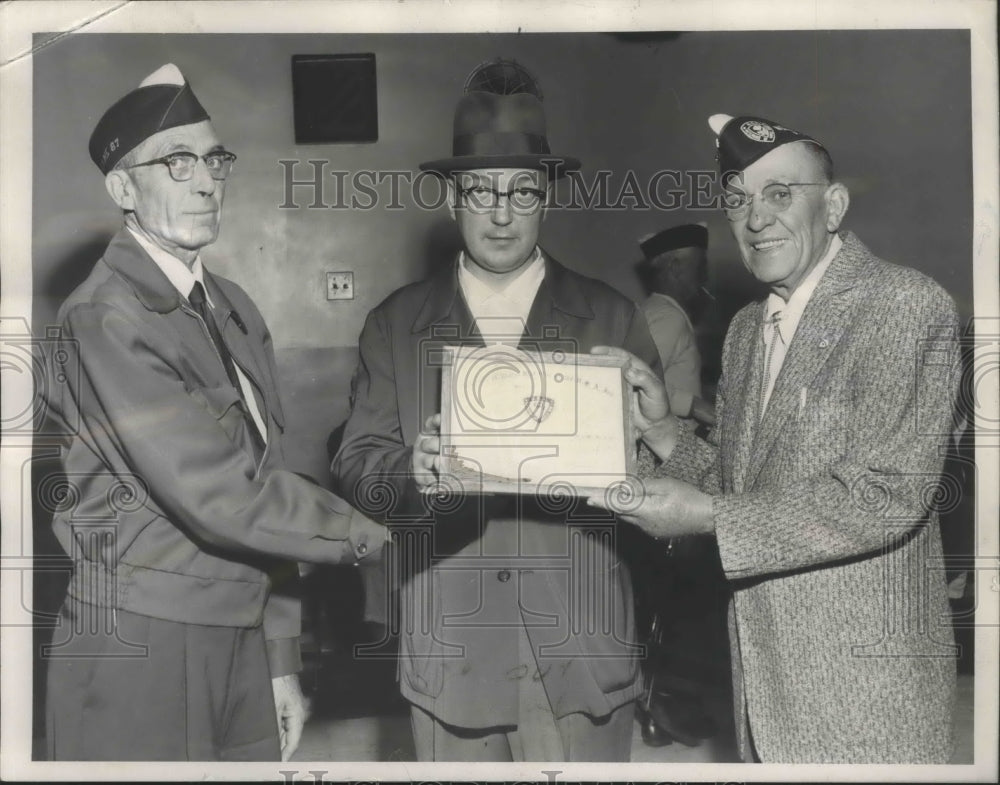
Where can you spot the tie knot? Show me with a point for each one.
(197, 295)
(774, 318)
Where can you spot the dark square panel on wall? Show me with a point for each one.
(335, 98)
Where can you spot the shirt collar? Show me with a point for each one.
(182, 278)
(520, 289)
(804, 291)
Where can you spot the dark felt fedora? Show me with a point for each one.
(494, 130)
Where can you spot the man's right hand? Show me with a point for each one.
(426, 453)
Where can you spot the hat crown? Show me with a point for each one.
(165, 74)
(500, 123)
(480, 112)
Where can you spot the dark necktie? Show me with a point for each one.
(200, 304)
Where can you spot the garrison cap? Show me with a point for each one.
(162, 100)
(744, 139)
(683, 236)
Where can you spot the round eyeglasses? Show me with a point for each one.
(777, 197)
(181, 165)
(482, 199)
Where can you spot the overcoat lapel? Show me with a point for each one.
(824, 323)
(443, 320)
(744, 401)
(555, 309)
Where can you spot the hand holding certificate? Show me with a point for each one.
(514, 421)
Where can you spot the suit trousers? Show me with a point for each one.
(140, 688)
(539, 735)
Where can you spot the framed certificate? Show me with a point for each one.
(515, 421)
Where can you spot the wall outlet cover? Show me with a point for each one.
(340, 286)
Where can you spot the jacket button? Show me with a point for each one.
(362, 549)
(503, 576)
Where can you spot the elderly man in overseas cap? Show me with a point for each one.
(513, 646)
(818, 482)
(181, 625)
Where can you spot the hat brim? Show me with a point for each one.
(556, 166)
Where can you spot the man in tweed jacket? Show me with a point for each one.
(820, 478)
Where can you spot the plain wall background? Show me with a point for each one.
(893, 107)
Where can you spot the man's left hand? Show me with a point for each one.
(293, 711)
(668, 508)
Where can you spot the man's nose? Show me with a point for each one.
(760, 215)
(502, 213)
(202, 180)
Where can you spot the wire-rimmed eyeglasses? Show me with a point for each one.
(181, 165)
(777, 197)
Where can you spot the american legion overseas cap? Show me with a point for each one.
(683, 236)
(745, 139)
(162, 100)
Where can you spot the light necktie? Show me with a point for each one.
(200, 304)
(771, 368)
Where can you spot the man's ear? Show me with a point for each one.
(119, 186)
(452, 196)
(838, 199)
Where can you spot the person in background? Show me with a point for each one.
(676, 585)
(181, 621)
(674, 270)
(820, 481)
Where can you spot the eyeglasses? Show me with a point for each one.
(777, 196)
(181, 165)
(482, 199)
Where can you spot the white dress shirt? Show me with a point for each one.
(791, 313)
(183, 280)
(501, 313)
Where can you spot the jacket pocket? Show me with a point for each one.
(226, 406)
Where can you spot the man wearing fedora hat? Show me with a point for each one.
(178, 638)
(820, 481)
(512, 645)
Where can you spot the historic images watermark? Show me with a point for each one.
(311, 184)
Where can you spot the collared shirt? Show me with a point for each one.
(501, 314)
(791, 313)
(183, 280)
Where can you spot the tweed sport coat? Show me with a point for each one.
(475, 573)
(841, 642)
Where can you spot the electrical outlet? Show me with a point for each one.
(340, 286)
